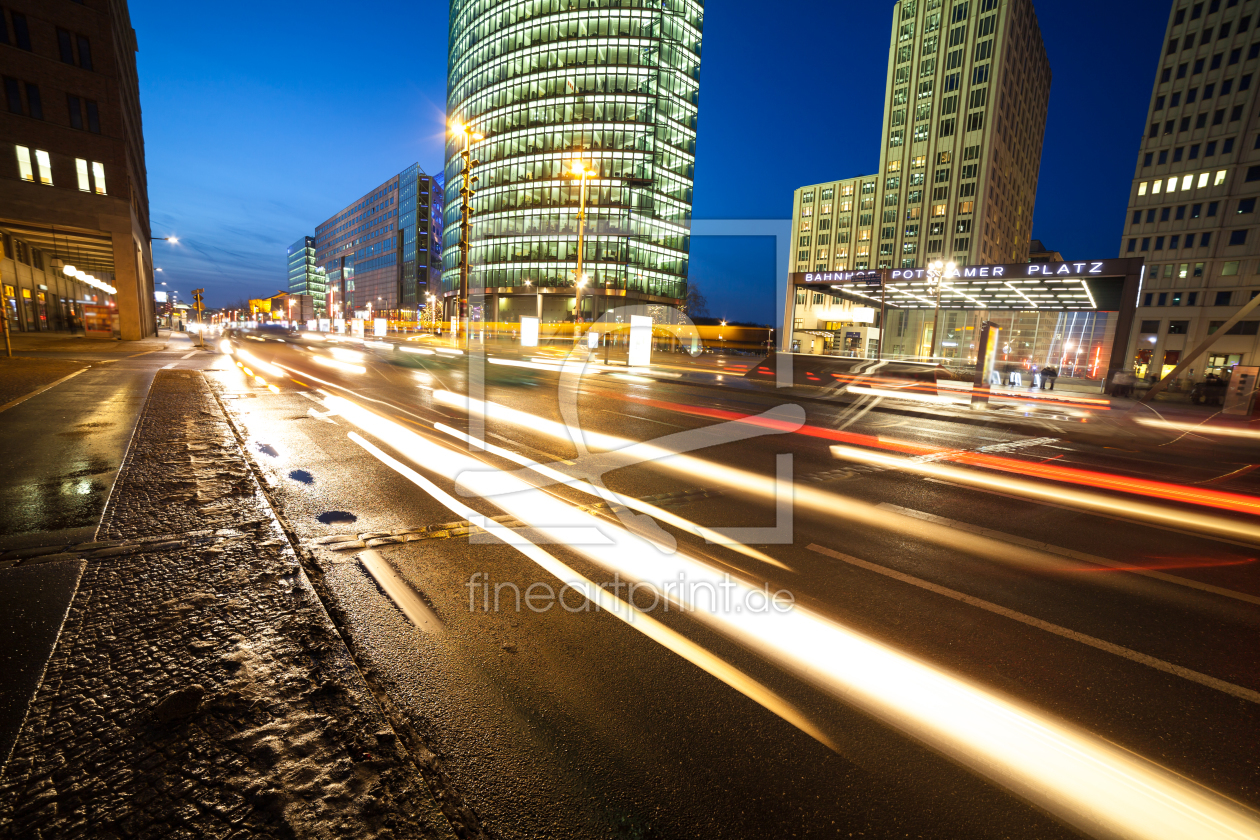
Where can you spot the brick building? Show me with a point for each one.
(73, 188)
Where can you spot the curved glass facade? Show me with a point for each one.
(614, 83)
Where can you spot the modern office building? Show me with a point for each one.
(966, 95)
(73, 189)
(305, 277)
(1192, 207)
(380, 254)
(612, 83)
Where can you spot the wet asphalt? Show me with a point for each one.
(575, 724)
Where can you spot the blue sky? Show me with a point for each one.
(263, 119)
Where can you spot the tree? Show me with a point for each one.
(696, 305)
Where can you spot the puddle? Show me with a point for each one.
(267, 449)
(303, 476)
(337, 517)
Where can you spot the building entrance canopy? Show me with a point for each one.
(1090, 304)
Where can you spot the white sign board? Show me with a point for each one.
(311, 324)
(378, 326)
(324, 325)
(341, 325)
(592, 340)
(529, 332)
(863, 314)
(640, 341)
(356, 327)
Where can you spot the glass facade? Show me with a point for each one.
(305, 277)
(612, 83)
(380, 252)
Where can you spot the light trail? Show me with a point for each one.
(1200, 428)
(338, 364)
(1109, 505)
(1096, 786)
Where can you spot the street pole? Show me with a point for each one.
(465, 226)
(937, 272)
(579, 171)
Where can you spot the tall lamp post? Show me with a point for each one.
(466, 193)
(579, 169)
(936, 274)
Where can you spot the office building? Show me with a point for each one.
(380, 254)
(305, 277)
(1192, 206)
(966, 95)
(73, 189)
(611, 83)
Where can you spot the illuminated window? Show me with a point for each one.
(45, 166)
(1157, 187)
(965, 207)
(894, 166)
(919, 162)
(864, 236)
(81, 169)
(1220, 178)
(1172, 184)
(1203, 179)
(98, 176)
(938, 209)
(24, 163)
(847, 190)
(1142, 188)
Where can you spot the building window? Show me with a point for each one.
(1147, 298)
(1238, 237)
(1247, 205)
(13, 93)
(44, 164)
(1222, 298)
(965, 207)
(85, 52)
(75, 106)
(93, 117)
(21, 32)
(1163, 299)
(1230, 269)
(24, 164)
(65, 45)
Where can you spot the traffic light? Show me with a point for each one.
(197, 293)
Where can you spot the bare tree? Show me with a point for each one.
(696, 306)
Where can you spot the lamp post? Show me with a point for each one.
(579, 169)
(936, 274)
(466, 193)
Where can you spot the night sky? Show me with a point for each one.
(263, 119)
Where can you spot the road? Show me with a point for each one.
(1072, 652)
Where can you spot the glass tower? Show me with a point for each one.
(612, 83)
(305, 278)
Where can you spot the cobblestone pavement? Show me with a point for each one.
(19, 376)
(199, 689)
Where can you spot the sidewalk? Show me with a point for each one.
(59, 345)
(198, 688)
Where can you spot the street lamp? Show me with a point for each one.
(579, 169)
(466, 193)
(171, 239)
(936, 274)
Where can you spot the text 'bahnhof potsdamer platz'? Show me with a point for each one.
(611, 85)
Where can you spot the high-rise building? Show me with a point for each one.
(965, 111)
(613, 83)
(305, 277)
(380, 254)
(1192, 205)
(73, 188)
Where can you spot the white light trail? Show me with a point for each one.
(1098, 787)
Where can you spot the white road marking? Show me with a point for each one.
(412, 606)
(1067, 552)
(168, 367)
(325, 416)
(39, 391)
(189, 356)
(1127, 653)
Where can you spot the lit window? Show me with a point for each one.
(965, 207)
(81, 168)
(1203, 179)
(1187, 182)
(98, 175)
(1172, 184)
(24, 163)
(938, 209)
(1142, 188)
(45, 166)
(1220, 178)
(1156, 187)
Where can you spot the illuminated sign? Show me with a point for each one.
(876, 276)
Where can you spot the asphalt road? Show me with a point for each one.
(936, 625)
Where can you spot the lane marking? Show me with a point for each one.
(168, 367)
(1118, 650)
(39, 391)
(398, 591)
(1067, 552)
(189, 356)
